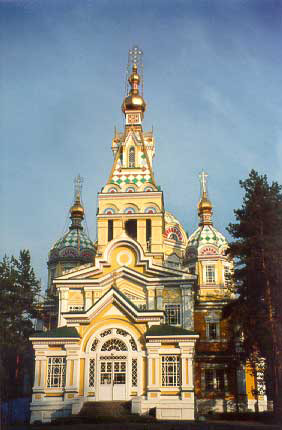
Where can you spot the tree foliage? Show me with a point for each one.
(257, 251)
(19, 289)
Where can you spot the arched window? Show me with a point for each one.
(131, 157)
(114, 345)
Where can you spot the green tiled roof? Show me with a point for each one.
(207, 235)
(58, 332)
(75, 239)
(168, 330)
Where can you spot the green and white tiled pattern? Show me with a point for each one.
(207, 235)
(74, 238)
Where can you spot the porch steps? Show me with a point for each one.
(105, 409)
(105, 412)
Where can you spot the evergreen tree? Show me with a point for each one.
(19, 291)
(257, 313)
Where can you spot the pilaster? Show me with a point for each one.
(151, 297)
(159, 297)
(63, 304)
(88, 298)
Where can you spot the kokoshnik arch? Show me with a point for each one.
(140, 310)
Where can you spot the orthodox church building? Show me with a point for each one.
(140, 310)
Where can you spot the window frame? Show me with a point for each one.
(170, 370)
(208, 279)
(178, 316)
(131, 157)
(217, 382)
(51, 372)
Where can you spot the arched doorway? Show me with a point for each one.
(112, 364)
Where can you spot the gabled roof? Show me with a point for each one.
(113, 295)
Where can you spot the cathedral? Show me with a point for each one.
(139, 314)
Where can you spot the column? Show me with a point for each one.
(187, 382)
(72, 361)
(187, 306)
(40, 372)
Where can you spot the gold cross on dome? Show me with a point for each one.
(203, 181)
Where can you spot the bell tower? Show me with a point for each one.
(131, 202)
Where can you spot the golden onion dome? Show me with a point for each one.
(133, 102)
(134, 77)
(77, 210)
(204, 204)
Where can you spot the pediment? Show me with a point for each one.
(116, 303)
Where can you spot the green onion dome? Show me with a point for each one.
(75, 245)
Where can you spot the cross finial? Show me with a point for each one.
(203, 181)
(135, 56)
(78, 181)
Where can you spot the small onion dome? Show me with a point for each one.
(134, 101)
(77, 210)
(204, 204)
(206, 235)
(75, 246)
(134, 77)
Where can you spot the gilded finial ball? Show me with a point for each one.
(134, 77)
(204, 204)
(133, 102)
(77, 210)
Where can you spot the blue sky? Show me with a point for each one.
(213, 87)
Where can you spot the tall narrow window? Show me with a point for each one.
(227, 276)
(110, 230)
(213, 330)
(134, 372)
(148, 234)
(131, 157)
(92, 372)
(210, 274)
(131, 228)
